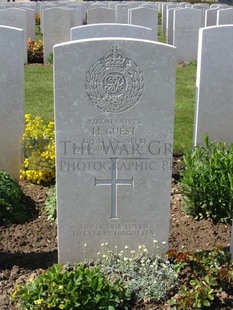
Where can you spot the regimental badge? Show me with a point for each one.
(114, 83)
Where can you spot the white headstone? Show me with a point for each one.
(170, 6)
(211, 17)
(77, 18)
(214, 108)
(164, 14)
(113, 144)
(225, 17)
(31, 26)
(16, 18)
(122, 13)
(186, 26)
(201, 7)
(145, 17)
(100, 16)
(57, 24)
(110, 30)
(11, 99)
(170, 24)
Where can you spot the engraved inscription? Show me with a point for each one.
(100, 17)
(114, 182)
(114, 83)
(12, 18)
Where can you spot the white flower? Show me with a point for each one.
(126, 247)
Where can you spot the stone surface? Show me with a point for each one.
(11, 99)
(225, 17)
(113, 144)
(145, 17)
(164, 14)
(100, 16)
(16, 18)
(122, 13)
(31, 26)
(211, 17)
(214, 109)
(111, 30)
(57, 24)
(170, 23)
(186, 26)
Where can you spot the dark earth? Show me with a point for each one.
(28, 249)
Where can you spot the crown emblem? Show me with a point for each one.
(114, 83)
(114, 58)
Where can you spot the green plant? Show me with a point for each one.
(146, 276)
(12, 205)
(72, 287)
(51, 204)
(203, 276)
(207, 182)
(35, 51)
(50, 59)
(39, 145)
(37, 19)
(159, 18)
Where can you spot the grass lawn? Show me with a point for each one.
(39, 98)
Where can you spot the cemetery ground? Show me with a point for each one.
(28, 249)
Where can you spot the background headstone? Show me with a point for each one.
(113, 144)
(225, 17)
(187, 23)
(100, 16)
(111, 30)
(145, 17)
(211, 17)
(57, 24)
(122, 13)
(214, 108)
(16, 18)
(11, 99)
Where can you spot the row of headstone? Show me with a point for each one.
(182, 22)
(114, 141)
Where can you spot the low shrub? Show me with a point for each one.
(12, 206)
(207, 182)
(203, 276)
(37, 19)
(147, 277)
(51, 204)
(50, 59)
(72, 287)
(35, 51)
(39, 151)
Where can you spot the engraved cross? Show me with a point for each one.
(114, 182)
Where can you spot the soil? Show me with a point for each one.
(28, 249)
